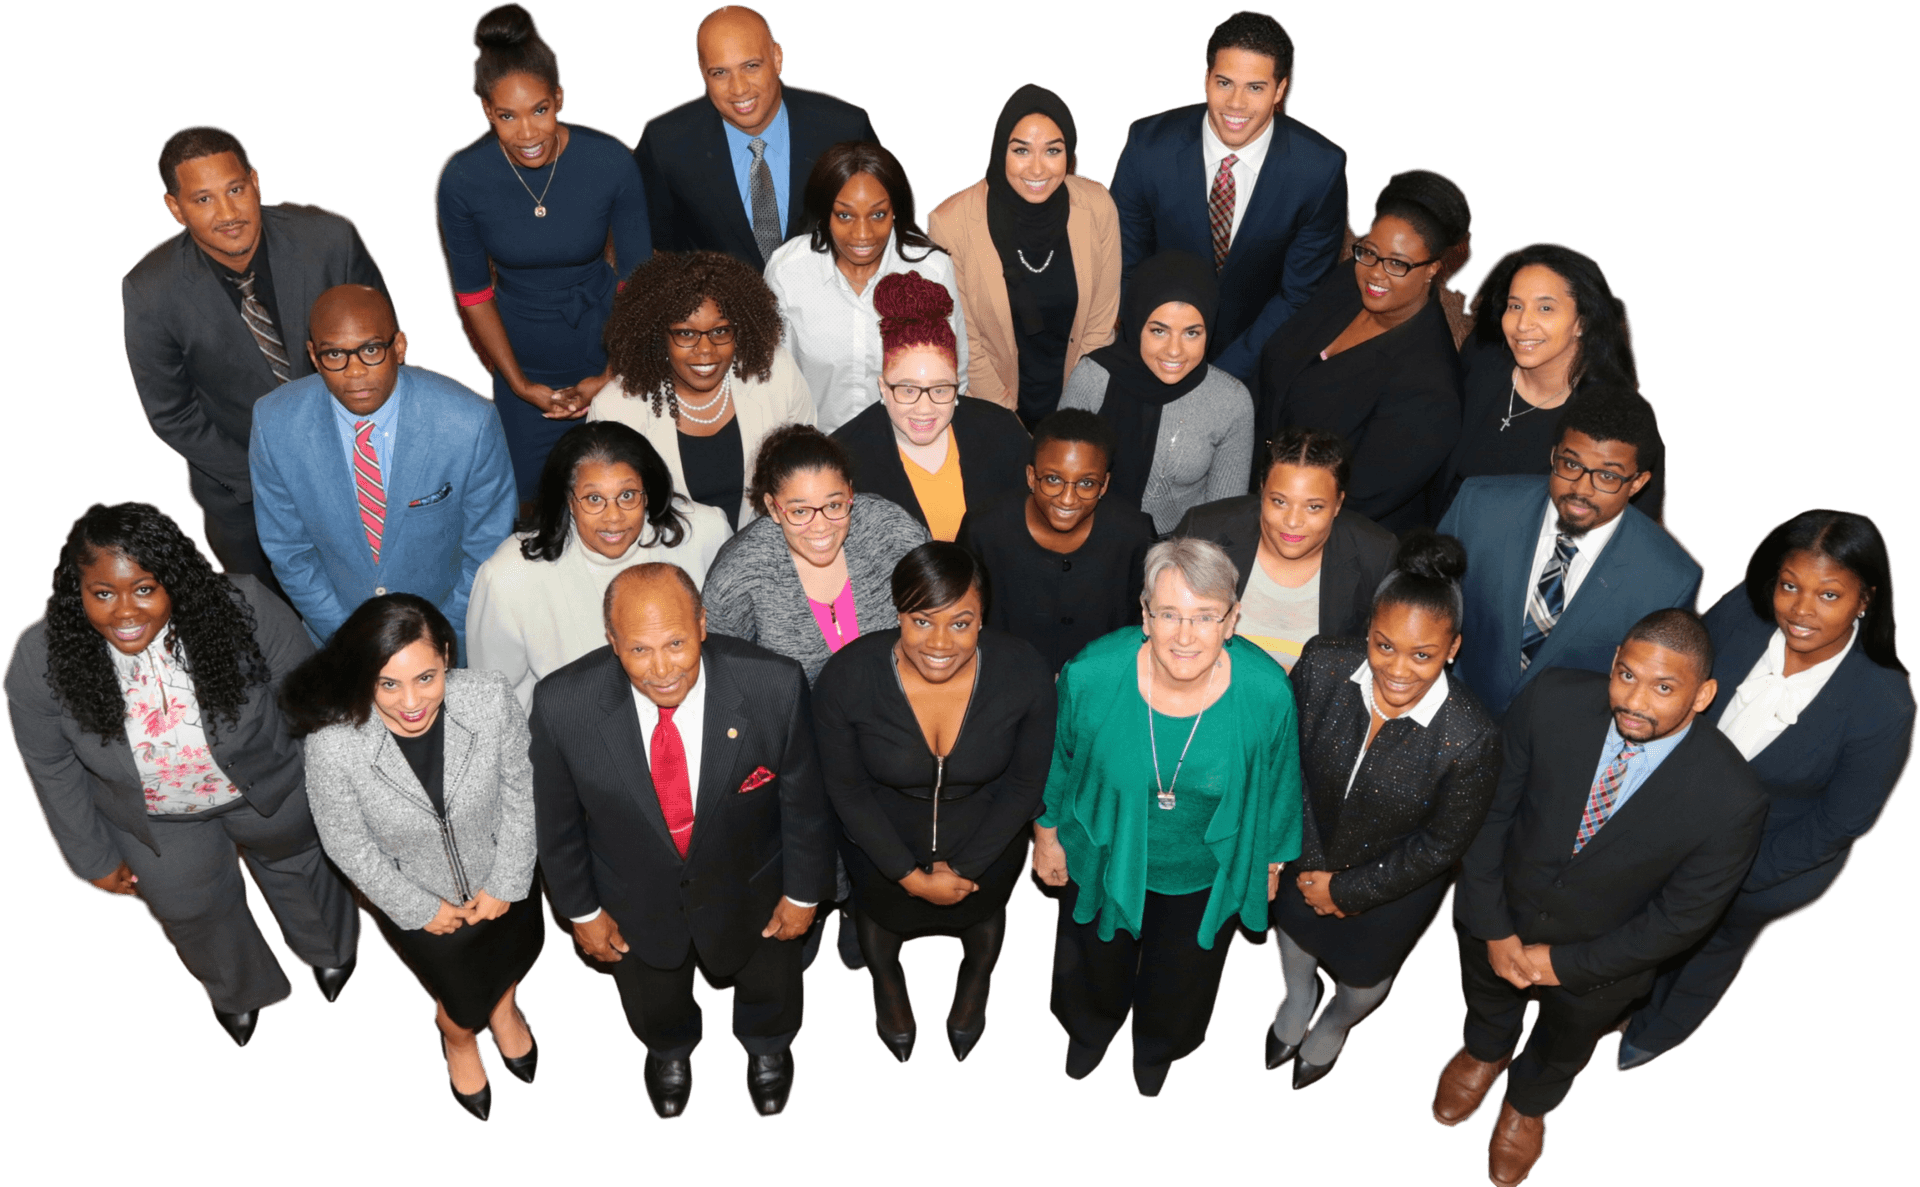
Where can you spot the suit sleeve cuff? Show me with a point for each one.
(585, 918)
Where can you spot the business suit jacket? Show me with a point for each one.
(1828, 774)
(450, 499)
(1287, 240)
(994, 450)
(993, 350)
(380, 827)
(604, 843)
(195, 363)
(1358, 556)
(88, 789)
(1499, 518)
(1651, 883)
(693, 201)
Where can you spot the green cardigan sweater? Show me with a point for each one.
(1101, 814)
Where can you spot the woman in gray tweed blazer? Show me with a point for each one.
(423, 794)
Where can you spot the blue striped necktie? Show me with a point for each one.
(1548, 600)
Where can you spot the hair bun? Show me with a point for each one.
(505, 27)
(909, 296)
(1428, 554)
(1439, 210)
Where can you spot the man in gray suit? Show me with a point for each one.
(216, 318)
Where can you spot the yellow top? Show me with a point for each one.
(942, 499)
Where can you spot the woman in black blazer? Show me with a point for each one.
(935, 740)
(1370, 355)
(1309, 564)
(1814, 696)
(1399, 764)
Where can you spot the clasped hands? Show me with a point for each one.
(600, 936)
(940, 886)
(1522, 965)
(478, 909)
(566, 403)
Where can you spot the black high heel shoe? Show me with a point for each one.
(1279, 1052)
(900, 1044)
(239, 1027)
(478, 1103)
(522, 1066)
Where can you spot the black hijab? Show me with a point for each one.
(1016, 225)
(1135, 395)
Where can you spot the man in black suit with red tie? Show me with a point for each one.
(1618, 835)
(682, 821)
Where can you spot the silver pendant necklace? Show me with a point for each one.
(1513, 394)
(718, 403)
(540, 199)
(1166, 789)
(1022, 257)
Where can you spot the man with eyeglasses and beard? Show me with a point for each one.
(1558, 567)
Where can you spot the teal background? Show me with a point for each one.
(1730, 166)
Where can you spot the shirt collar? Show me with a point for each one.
(382, 416)
(1590, 545)
(1423, 711)
(1775, 659)
(688, 714)
(775, 133)
(1655, 751)
(1251, 154)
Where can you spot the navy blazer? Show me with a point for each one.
(693, 201)
(1829, 773)
(1287, 240)
(450, 499)
(1498, 518)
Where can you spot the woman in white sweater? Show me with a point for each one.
(606, 502)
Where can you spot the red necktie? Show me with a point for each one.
(1220, 210)
(667, 759)
(366, 483)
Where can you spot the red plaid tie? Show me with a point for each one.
(1600, 800)
(667, 761)
(366, 483)
(1220, 210)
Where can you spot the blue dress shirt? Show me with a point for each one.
(384, 418)
(779, 157)
(1641, 766)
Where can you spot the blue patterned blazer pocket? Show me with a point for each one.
(439, 496)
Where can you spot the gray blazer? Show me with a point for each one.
(91, 791)
(379, 827)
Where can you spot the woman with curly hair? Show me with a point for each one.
(606, 502)
(144, 707)
(694, 349)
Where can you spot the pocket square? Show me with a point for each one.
(433, 498)
(760, 778)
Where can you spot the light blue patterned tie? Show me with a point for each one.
(1548, 600)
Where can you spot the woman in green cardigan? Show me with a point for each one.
(1173, 799)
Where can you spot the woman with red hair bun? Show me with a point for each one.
(923, 446)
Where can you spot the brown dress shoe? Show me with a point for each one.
(1515, 1147)
(1463, 1085)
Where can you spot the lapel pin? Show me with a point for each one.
(733, 733)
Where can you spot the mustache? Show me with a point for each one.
(1620, 711)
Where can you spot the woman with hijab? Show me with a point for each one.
(1036, 254)
(1184, 430)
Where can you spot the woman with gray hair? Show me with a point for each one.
(1158, 848)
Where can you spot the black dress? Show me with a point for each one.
(882, 778)
(468, 970)
(1415, 806)
(715, 469)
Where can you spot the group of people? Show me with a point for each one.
(690, 623)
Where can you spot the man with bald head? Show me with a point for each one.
(373, 477)
(682, 822)
(749, 137)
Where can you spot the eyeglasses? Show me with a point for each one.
(1605, 481)
(1055, 484)
(686, 338)
(910, 393)
(835, 511)
(334, 358)
(1369, 257)
(596, 503)
(1167, 620)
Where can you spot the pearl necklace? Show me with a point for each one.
(692, 411)
(1022, 257)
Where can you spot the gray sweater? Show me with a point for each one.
(753, 591)
(1205, 448)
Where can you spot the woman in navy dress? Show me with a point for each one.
(528, 212)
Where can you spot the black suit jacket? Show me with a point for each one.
(195, 364)
(604, 842)
(693, 201)
(994, 451)
(1358, 557)
(1650, 884)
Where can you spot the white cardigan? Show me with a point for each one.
(760, 408)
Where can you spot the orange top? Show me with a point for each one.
(942, 499)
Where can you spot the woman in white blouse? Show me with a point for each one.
(694, 349)
(606, 502)
(861, 208)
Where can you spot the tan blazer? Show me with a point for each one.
(1093, 231)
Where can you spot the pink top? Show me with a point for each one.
(836, 620)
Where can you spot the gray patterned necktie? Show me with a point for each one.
(1548, 601)
(260, 323)
(766, 208)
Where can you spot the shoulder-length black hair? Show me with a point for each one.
(1849, 540)
(336, 683)
(836, 167)
(936, 574)
(210, 630)
(1605, 349)
(610, 443)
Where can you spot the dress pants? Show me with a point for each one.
(1164, 977)
(193, 886)
(1563, 1038)
(767, 1000)
(231, 532)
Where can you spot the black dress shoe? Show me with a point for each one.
(522, 1066)
(963, 1041)
(240, 1025)
(332, 981)
(1279, 1051)
(1305, 1073)
(900, 1044)
(669, 1084)
(478, 1103)
(1082, 1059)
(1149, 1077)
(849, 943)
(769, 1080)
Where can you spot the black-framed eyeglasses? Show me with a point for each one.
(835, 511)
(1367, 257)
(1607, 482)
(910, 393)
(686, 337)
(334, 358)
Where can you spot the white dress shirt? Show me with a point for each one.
(1768, 700)
(1422, 713)
(1246, 169)
(1587, 550)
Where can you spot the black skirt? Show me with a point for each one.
(1364, 949)
(469, 970)
(888, 904)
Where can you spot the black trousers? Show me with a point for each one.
(231, 531)
(1165, 978)
(766, 1000)
(1563, 1038)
